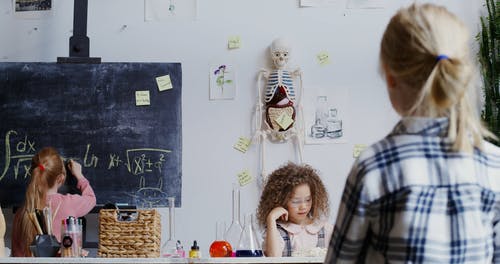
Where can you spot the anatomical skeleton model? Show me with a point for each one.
(277, 103)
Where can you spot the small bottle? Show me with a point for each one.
(72, 226)
(79, 236)
(180, 250)
(195, 251)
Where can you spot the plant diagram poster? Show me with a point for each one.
(222, 82)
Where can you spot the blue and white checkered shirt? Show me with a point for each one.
(410, 199)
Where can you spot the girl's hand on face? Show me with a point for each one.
(278, 213)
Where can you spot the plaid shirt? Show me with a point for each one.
(410, 199)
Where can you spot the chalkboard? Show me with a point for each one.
(130, 154)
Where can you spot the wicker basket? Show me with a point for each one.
(139, 238)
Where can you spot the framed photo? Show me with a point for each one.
(222, 82)
(326, 115)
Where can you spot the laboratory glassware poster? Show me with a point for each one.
(326, 115)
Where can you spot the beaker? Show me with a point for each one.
(169, 248)
(248, 246)
(233, 233)
(220, 247)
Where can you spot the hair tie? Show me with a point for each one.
(42, 168)
(441, 57)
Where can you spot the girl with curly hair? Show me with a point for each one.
(293, 210)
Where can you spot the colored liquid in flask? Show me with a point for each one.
(220, 248)
(249, 253)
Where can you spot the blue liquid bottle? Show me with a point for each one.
(248, 245)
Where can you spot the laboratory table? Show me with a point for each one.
(294, 260)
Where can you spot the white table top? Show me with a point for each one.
(296, 260)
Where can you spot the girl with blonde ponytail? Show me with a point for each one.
(429, 192)
(48, 173)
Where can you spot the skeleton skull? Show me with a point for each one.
(280, 52)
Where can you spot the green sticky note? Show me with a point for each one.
(164, 83)
(142, 98)
(234, 42)
(357, 150)
(284, 120)
(244, 177)
(323, 58)
(242, 144)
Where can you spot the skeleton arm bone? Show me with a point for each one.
(297, 73)
(299, 133)
(263, 73)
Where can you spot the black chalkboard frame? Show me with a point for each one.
(132, 155)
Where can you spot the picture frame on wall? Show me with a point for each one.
(32, 9)
(222, 81)
(326, 115)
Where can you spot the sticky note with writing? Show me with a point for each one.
(242, 144)
(357, 150)
(244, 177)
(323, 58)
(142, 98)
(234, 42)
(284, 120)
(164, 82)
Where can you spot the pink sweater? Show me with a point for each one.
(70, 205)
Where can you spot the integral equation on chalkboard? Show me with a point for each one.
(138, 161)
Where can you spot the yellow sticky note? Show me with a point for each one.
(284, 120)
(142, 98)
(242, 144)
(244, 177)
(164, 83)
(357, 150)
(323, 58)
(234, 42)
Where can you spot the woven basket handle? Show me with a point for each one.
(126, 215)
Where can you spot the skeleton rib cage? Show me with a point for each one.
(279, 78)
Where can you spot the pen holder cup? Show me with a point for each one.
(45, 246)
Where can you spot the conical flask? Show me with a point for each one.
(233, 233)
(220, 247)
(249, 245)
(169, 248)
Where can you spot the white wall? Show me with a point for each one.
(210, 128)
